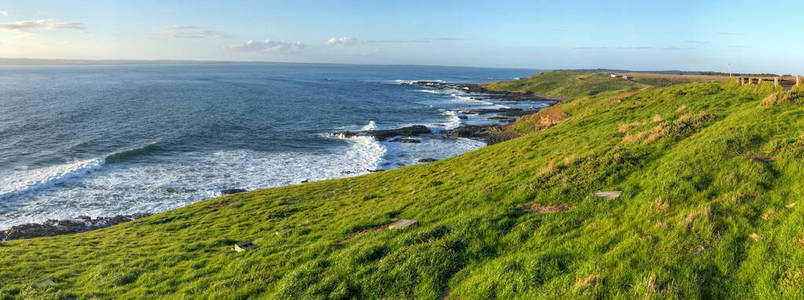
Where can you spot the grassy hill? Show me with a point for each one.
(711, 208)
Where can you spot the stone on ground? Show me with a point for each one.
(244, 246)
(402, 224)
(608, 195)
(47, 281)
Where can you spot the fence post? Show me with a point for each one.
(741, 81)
(759, 80)
(776, 82)
(798, 80)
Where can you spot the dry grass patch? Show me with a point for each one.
(627, 126)
(682, 108)
(657, 118)
(758, 157)
(661, 204)
(783, 97)
(685, 125)
(687, 223)
(587, 281)
(549, 169)
(653, 287)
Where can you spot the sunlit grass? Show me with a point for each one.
(700, 217)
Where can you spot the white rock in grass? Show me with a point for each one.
(608, 195)
(402, 224)
(244, 246)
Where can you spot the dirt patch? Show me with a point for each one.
(543, 209)
(758, 157)
(365, 232)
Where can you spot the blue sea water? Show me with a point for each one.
(107, 140)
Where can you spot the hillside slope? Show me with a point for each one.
(711, 208)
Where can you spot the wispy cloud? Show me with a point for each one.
(4, 13)
(632, 48)
(49, 24)
(349, 41)
(342, 41)
(192, 32)
(268, 46)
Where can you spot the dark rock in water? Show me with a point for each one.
(463, 117)
(305, 181)
(426, 160)
(232, 191)
(405, 140)
(59, 227)
(385, 134)
(501, 119)
(509, 112)
(179, 190)
(377, 170)
(404, 131)
(348, 172)
(468, 131)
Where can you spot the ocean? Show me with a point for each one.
(109, 140)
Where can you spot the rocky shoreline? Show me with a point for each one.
(59, 227)
(490, 134)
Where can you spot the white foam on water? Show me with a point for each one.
(452, 120)
(127, 188)
(404, 154)
(17, 182)
(403, 81)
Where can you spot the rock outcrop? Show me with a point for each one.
(59, 227)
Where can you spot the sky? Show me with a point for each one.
(751, 36)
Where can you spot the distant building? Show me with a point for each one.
(626, 77)
(612, 75)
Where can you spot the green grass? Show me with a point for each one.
(568, 84)
(694, 194)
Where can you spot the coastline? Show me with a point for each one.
(491, 133)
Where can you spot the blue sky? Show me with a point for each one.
(753, 36)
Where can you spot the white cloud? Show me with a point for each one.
(4, 13)
(268, 46)
(348, 41)
(192, 32)
(49, 24)
(342, 41)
